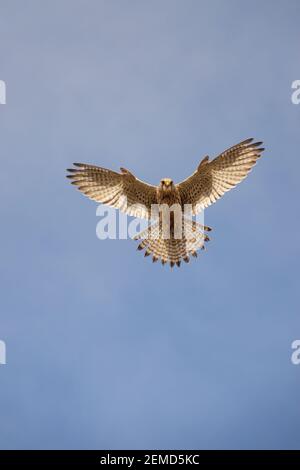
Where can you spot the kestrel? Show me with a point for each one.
(204, 187)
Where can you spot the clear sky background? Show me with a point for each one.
(105, 349)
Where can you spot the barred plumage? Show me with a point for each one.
(129, 194)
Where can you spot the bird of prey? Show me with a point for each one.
(204, 187)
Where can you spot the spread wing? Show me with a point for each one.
(212, 179)
(120, 190)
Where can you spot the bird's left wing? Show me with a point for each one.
(212, 179)
(120, 190)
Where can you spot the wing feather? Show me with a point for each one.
(212, 179)
(120, 190)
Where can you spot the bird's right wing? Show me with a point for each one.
(212, 179)
(120, 190)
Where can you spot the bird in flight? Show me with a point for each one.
(205, 186)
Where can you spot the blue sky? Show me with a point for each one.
(105, 349)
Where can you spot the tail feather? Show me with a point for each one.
(172, 249)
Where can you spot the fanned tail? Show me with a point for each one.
(173, 250)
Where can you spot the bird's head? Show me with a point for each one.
(166, 184)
